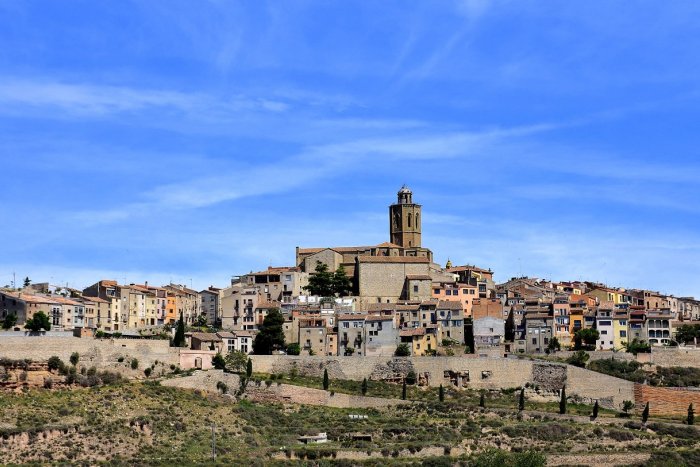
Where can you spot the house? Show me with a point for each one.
(538, 331)
(604, 325)
(658, 326)
(239, 341)
(351, 333)
(206, 341)
(421, 341)
(381, 335)
(488, 322)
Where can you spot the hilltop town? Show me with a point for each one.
(367, 301)
(343, 356)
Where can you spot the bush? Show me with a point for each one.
(147, 372)
(48, 383)
(134, 364)
(120, 359)
(218, 362)
(55, 363)
(578, 359)
(293, 349)
(402, 350)
(411, 377)
(74, 358)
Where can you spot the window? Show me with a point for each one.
(415, 288)
(623, 333)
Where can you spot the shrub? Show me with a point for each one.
(74, 358)
(147, 372)
(218, 362)
(134, 364)
(55, 363)
(411, 377)
(293, 349)
(48, 383)
(578, 359)
(92, 371)
(222, 387)
(402, 350)
(120, 359)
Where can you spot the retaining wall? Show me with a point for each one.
(476, 373)
(98, 352)
(665, 401)
(675, 356)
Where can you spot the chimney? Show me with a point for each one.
(146, 284)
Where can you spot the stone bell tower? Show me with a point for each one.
(404, 220)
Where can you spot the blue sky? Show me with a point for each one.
(192, 141)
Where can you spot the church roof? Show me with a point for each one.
(393, 259)
(388, 245)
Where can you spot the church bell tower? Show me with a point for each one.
(404, 220)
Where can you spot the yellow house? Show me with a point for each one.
(606, 295)
(620, 328)
(420, 340)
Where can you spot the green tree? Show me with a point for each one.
(411, 377)
(134, 364)
(322, 281)
(510, 327)
(236, 361)
(326, 381)
(521, 400)
(38, 322)
(55, 363)
(562, 401)
(179, 339)
(293, 349)
(342, 284)
(74, 358)
(554, 345)
(645, 413)
(403, 390)
(482, 400)
(579, 359)
(27, 282)
(201, 321)
(10, 321)
(627, 406)
(687, 333)
(595, 410)
(586, 339)
(402, 350)
(218, 361)
(691, 415)
(270, 334)
(637, 346)
(249, 368)
(441, 394)
(469, 336)
(364, 387)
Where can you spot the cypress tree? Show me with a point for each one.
(562, 401)
(403, 390)
(441, 394)
(645, 413)
(521, 400)
(482, 400)
(326, 382)
(691, 415)
(249, 368)
(595, 410)
(179, 339)
(364, 386)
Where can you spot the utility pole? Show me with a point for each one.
(213, 442)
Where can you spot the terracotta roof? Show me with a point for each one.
(468, 267)
(338, 249)
(412, 332)
(29, 298)
(379, 318)
(226, 335)
(94, 300)
(388, 245)
(418, 277)
(393, 259)
(352, 317)
(206, 336)
(65, 301)
(264, 305)
(449, 305)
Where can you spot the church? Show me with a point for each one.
(400, 269)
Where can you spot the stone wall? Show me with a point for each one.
(98, 352)
(597, 355)
(675, 356)
(665, 401)
(466, 372)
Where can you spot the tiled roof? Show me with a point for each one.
(418, 277)
(393, 259)
(379, 318)
(206, 336)
(352, 317)
(267, 305)
(94, 300)
(338, 249)
(388, 245)
(449, 305)
(412, 332)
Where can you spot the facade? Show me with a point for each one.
(208, 305)
(381, 335)
(351, 333)
(604, 325)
